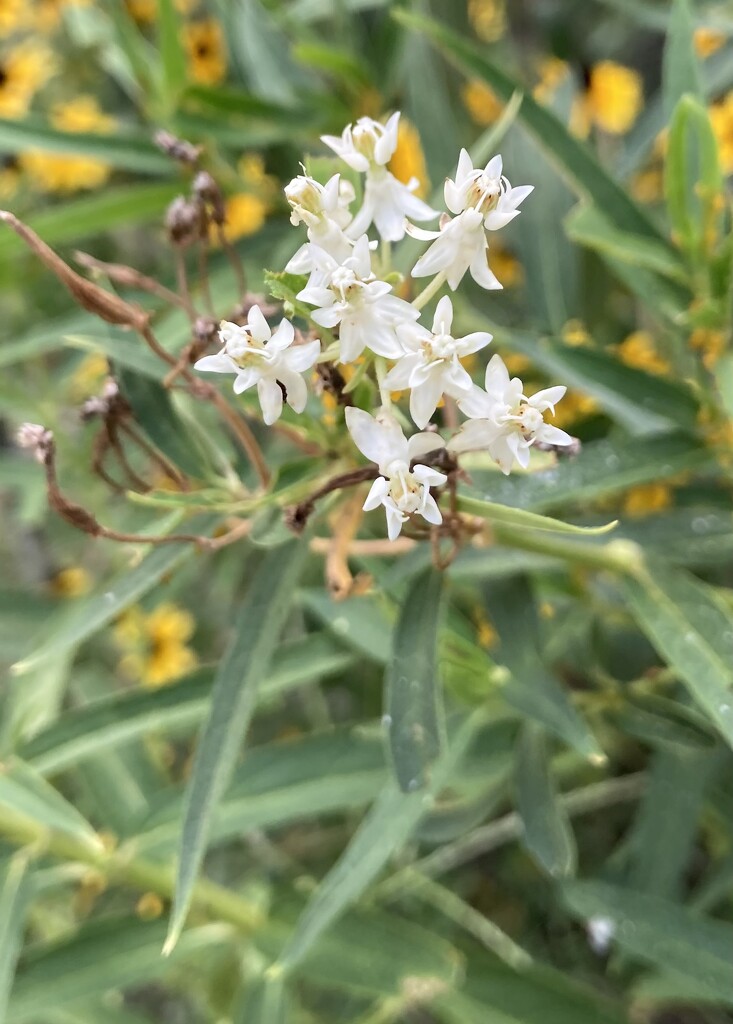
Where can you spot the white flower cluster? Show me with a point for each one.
(346, 293)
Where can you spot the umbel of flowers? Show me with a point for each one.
(350, 292)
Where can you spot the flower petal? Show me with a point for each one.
(271, 399)
(258, 326)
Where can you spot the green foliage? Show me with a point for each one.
(337, 780)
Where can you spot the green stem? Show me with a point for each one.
(429, 291)
(620, 556)
(121, 865)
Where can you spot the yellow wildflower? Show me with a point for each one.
(330, 406)
(72, 582)
(648, 186)
(517, 363)
(721, 119)
(553, 72)
(146, 11)
(408, 159)
(156, 644)
(547, 610)
(245, 214)
(574, 406)
(488, 19)
(150, 906)
(709, 343)
(24, 69)
(638, 350)
(647, 499)
(60, 173)
(11, 16)
(481, 102)
(9, 177)
(614, 97)
(506, 267)
(708, 41)
(45, 15)
(204, 42)
(574, 333)
(251, 168)
(486, 635)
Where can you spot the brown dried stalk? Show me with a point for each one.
(128, 277)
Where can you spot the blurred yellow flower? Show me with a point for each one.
(12, 14)
(24, 69)
(408, 159)
(45, 15)
(71, 582)
(59, 173)
(614, 97)
(150, 906)
(708, 41)
(488, 19)
(146, 11)
(721, 119)
(506, 266)
(648, 186)
(245, 214)
(156, 644)
(574, 406)
(710, 344)
(575, 333)
(517, 363)
(9, 177)
(647, 499)
(638, 350)
(481, 102)
(204, 42)
(553, 72)
(251, 169)
(486, 635)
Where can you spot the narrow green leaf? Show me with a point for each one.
(361, 622)
(126, 351)
(531, 688)
(71, 627)
(257, 632)
(14, 895)
(575, 159)
(128, 150)
(102, 956)
(265, 1001)
(173, 57)
(414, 698)
(662, 933)
(680, 67)
(547, 832)
(693, 180)
(509, 516)
(587, 226)
(383, 831)
(693, 630)
(105, 724)
(262, 51)
(27, 797)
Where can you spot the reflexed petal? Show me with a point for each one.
(376, 494)
(473, 342)
(301, 262)
(258, 326)
(516, 195)
(395, 520)
(454, 196)
(497, 375)
(424, 399)
(457, 380)
(245, 379)
(547, 398)
(429, 477)
(482, 273)
(295, 387)
(282, 338)
(383, 340)
(495, 220)
(473, 436)
(438, 257)
(316, 296)
(443, 319)
(302, 357)
(387, 143)
(380, 442)
(422, 233)
(398, 377)
(352, 341)
(424, 442)
(553, 435)
(328, 316)
(431, 512)
(219, 363)
(271, 399)
(477, 404)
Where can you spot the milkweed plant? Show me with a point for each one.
(373, 660)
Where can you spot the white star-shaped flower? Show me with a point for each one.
(482, 200)
(368, 146)
(403, 491)
(363, 307)
(258, 356)
(324, 209)
(431, 366)
(505, 422)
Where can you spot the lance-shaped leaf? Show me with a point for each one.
(547, 832)
(508, 516)
(414, 699)
(680, 67)
(257, 631)
(14, 893)
(30, 807)
(693, 630)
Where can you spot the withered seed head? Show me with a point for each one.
(183, 221)
(206, 190)
(36, 438)
(179, 149)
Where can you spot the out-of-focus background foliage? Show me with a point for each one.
(576, 863)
